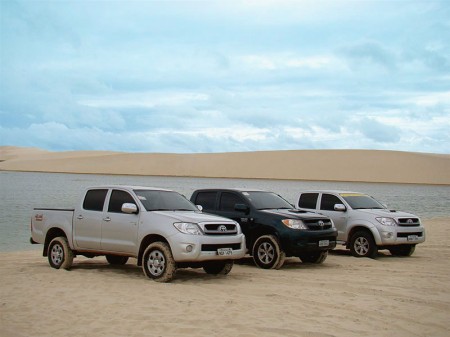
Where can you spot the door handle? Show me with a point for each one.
(107, 219)
(80, 217)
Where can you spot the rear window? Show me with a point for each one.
(308, 200)
(206, 199)
(94, 200)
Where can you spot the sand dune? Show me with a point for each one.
(322, 165)
(346, 296)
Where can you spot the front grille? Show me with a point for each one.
(405, 235)
(409, 222)
(220, 229)
(318, 224)
(213, 248)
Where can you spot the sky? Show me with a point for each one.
(225, 76)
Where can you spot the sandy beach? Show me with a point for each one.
(346, 296)
(317, 165)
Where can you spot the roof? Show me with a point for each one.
(235, 189)
(331, 191)
(129, 187)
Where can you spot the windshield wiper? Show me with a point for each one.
(184, 209)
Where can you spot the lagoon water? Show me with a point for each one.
(20, 192)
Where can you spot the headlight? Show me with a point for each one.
(294, 224)
(386, 221)
(188, 228)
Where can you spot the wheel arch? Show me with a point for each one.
(148, 240)
(369, 228)
(51, 234)
(261, 231)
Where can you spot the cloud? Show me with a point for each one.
(369, 53)
(225, 76)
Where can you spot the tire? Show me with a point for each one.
(158, 263)
(314, 257)
(362, 244)
(266, 252)
(402, 250)
(59, 253)
(281, 262)
(116, 260)
(218, 267)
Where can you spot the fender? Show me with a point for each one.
(365, 224)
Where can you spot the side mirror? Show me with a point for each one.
(241, 208)
(340, 207)
(129, 208)
(200, 207)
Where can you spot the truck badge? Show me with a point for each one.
(321, 223)
(222, 228)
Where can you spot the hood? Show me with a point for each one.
(295, 214)
(195, 217)
(386, 213)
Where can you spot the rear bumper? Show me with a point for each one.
(33, 242)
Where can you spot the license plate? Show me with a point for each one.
(413, 237)
(324, 243)
(224, 251)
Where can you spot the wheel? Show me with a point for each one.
(158, 263)
(59, 253)
(116, 260)
(218, 267)
(314, 257)
(266, 252)
(402, 250)
(363, 245)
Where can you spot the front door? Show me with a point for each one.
(119, 229)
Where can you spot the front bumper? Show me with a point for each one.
(197, 248)
(298, 241)
(400, 235)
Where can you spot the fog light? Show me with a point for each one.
(388, 235)
(189, 248)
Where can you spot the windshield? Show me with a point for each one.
(361, 201)
(164, 201)
(267, 200)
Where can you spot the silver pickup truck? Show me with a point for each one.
(159, 227)
(365, 225)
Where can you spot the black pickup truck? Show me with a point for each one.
(273, 228)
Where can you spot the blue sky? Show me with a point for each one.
(221, 76)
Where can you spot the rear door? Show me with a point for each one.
(87, 222)
(119, 229)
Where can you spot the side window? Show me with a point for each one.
(228, 200)
(328, 201)
(308, 200)
(94, 200)
(118, 198)
(206, 199)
